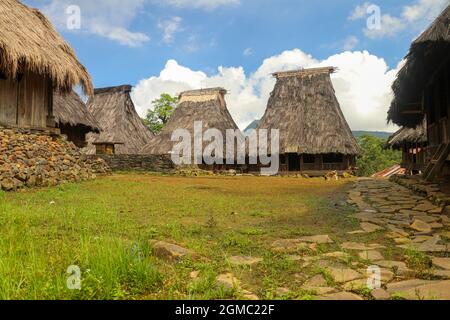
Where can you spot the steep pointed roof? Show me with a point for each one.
(410, 135)
(69, 109)
(426, 54)
(114, 110)
(29, 42)
(304, 107)
(206, 105)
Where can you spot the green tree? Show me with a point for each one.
(163, 109)
(374, 157)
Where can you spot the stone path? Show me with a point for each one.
(416, 227)
(410, 253)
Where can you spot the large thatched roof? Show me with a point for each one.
(426, 54)
(409, 135)
(68, 109)
(29, 42)
(304, 107)
(114, 110)
(206, 105)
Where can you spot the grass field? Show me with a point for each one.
(104, 227)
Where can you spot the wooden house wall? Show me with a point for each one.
(25, 103)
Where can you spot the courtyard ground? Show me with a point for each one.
(137, 236)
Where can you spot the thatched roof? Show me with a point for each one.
(206, 105)
(426, 54)
(304, 107)
(409, 135)
(114, 110)
(68, 109)
(29, 42)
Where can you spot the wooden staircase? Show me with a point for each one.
(437, 162)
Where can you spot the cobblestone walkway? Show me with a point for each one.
(415, 229)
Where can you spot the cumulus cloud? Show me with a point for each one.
(106, 18)
(413, 17)
(170, 28)
(362, 86)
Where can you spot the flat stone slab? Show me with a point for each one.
(319, 239)
(380, 294)
(360, 246)
(244, 260)
(342, 275)
(227, 281)
(371, 255)
(339, 296)
(288, 245)
(370, 227)
(427, 206)
(170, 251)
(443, 263)
(337, 255)
(319, 291)
(421, 226)
(316, 281)
(421, 289)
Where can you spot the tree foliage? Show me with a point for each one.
(163, 108)
(374, 158)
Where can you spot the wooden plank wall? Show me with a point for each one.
(8, 101)
(25, 103)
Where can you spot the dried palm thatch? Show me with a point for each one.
(68, 109)
(304, 107)
(115, 112)
(206, 105)
(29, 43)
(408, 135)
(426, 54)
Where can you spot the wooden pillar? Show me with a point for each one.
(51, 123)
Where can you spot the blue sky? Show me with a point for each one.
(133, 41)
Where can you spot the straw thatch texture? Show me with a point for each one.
(29, 42)
(115, 112)
(426, 54)
(68, 109)
(304, 107)
(207, 105)
(408, 135)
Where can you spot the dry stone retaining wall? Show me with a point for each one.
(126, 162)
(31, 158)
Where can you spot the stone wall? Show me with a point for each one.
(125, 162)
(34, 158)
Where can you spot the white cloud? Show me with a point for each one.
(360, 11)
(362, 86)
(413, 17)
(247, 52)
(389, 27)
(169, 28)
(350, 43)
(199, 4)
(106, 18)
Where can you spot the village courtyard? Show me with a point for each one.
(153, 236)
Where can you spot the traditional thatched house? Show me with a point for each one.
(123, 131)
(422, 88)
(73, 118)
(207, 106)
(314, 135)
(34, 60)
(412, 143)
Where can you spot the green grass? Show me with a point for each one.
(104, 227)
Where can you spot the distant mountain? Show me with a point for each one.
(357, 134)
(379, 134)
